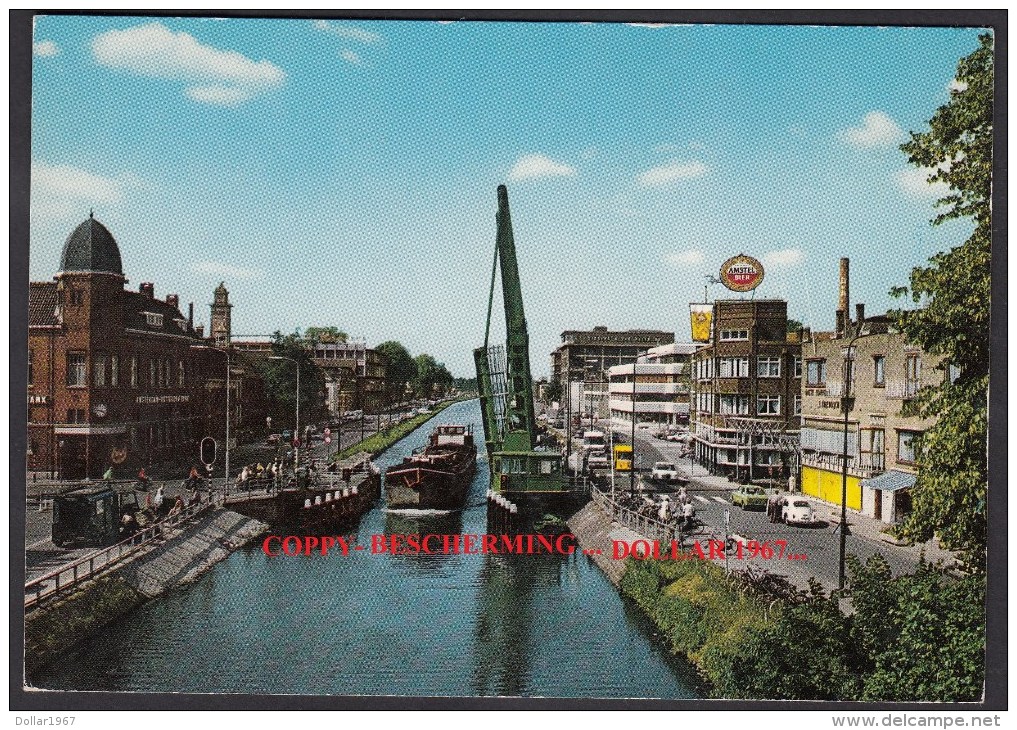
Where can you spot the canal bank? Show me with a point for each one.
(389, 625)
(181, 556)
(383, 440)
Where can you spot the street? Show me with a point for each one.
(818, 544)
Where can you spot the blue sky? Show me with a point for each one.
(344, 172)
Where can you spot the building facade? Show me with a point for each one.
(115, 377)
(746, 397)
(582, 362)
(660, 393)
(354, 377)
(878, 374)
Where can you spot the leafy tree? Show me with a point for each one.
(953, 321)
(921, 637)
(793, 325)
(400, 368)
(553, 391)
(325, 334)
(281, 382)
(431, 376)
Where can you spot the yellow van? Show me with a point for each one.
(622, 457)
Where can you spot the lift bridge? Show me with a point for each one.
(518, 466)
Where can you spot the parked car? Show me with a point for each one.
(597, 460)
(274, 438)
(797, 511)
(664, 471)
(749, 496)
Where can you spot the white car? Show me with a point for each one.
(664, 471)
(797, 511)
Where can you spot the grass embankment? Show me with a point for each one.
(53, 629)
(378, 442)
(917, 637)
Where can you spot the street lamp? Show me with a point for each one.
(846, 405)
(296, 429)
(632, 463)
(226, 482)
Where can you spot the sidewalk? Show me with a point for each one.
(859, 525)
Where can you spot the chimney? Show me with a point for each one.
(190, 316)
(173, 300)
(840, 331)
(148, 289)
(200, 331)
(860, 315)
(806, 334)
(844, 301)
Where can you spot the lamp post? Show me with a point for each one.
(846, 405)
(226, 480)
(296, 429)
(632, 463)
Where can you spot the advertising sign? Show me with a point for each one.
(741, 273)
(702, 320)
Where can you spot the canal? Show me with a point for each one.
(450, 625)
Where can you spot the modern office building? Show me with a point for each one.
(659, 395)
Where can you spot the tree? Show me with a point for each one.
(431, 376)
(793, 325)
(400, 368)
(325, 334)
(953, 321)
(281, 382)
(553, 391)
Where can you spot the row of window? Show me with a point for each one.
(106, 371)
(738, 405)
(815, 372)
(738, 367)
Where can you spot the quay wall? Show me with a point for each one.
(54, 628)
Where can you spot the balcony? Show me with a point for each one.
(655, 388)
(870, 465)
(902, 390)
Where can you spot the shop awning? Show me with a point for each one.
(890, 481)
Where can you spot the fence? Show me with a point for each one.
(67, 576)
(644, 525)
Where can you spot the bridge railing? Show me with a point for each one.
(643, 524)
(62, 579)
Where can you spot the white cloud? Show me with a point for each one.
(227, 271)
(62, 191)
(685, 258)
(45, 48)
(914, 182)
(214, 76)
(957, 85)
(350, 32)
(672, 172)
(535, 166)
(876, 130)
(350, 57)
(784, 257)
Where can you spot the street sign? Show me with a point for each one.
(296, 443)
(207, 452)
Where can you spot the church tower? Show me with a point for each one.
(220, 328)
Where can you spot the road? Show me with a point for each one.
(819, 544)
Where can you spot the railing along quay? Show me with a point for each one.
(67, 576)
(644, 525)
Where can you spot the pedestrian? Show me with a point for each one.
(177, 508)
(159, 498)
(143, 479)
(662, 513)
(193, 478)
(108, 476)
(688, 514)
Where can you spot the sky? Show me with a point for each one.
(343, 172)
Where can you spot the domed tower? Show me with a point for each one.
(220, 328)
(90, 281)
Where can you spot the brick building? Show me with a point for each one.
(114, 376)
(746, 395)
(879, 373)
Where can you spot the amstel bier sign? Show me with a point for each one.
(741, 273)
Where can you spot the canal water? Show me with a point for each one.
(449, 625)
